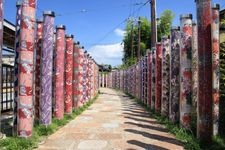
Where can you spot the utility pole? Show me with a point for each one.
(132, 40)
(139, 38)
(153, 23)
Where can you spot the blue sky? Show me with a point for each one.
(99, 24)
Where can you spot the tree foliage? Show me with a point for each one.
(163, 24)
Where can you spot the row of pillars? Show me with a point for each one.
(180, 76)
(53, 74)
(103, 80)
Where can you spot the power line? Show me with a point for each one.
(108, 33)
(112, 30)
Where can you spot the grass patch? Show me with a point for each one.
(181, 134)
(187, 137)
(40, 131)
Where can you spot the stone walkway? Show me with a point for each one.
(113, 122)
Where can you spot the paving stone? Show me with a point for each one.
(92, 144)
(113, 122)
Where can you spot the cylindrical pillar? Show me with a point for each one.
(194, 64)
(204, 113)
(26, 66)
(174, 75)
(185, 70)
(153, 79)
(85, 77)
(47, 68)
(38, 66)
(194, 72)
(158, 77)
(69, 75)
(59, 63)
(16, 62)
(149, 78)
(165, 76)
(76, 62)
(215, 66)
(80, 77)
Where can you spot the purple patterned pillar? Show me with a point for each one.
(158, 77)
(47, 69)
(174, 75)
(204, 108)
(215, 66)
(185, 70)
(16, 70)
(149, 78)
(38, 66)
(26, 67)
(165, 76)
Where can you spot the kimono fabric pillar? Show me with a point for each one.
(80, 76)
(89, 77)
(38, 66)
(215, 66)
(145, 79)
(158, 77)
(59, 72)
(204, 108)
(25, 66)
(153, 79)
(174, 75)
(76, 61)
(84, 77)
(139, 79)
(185, 70)
(149, 78)
(46, 69)
(165, 76)
(69, 74)
(16, 62)
(142, 79)
(194, 72)
(1, 44)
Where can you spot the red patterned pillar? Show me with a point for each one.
(80, 99)
(26, 65)
(215, 66)
(59, 71)
(69, 74)
(185, 70)
(204, 111)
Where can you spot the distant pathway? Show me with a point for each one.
(113, 122)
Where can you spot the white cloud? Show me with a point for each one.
(119, 32)
(107, 54)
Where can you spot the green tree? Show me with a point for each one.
(164, 24)
(130, 57)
